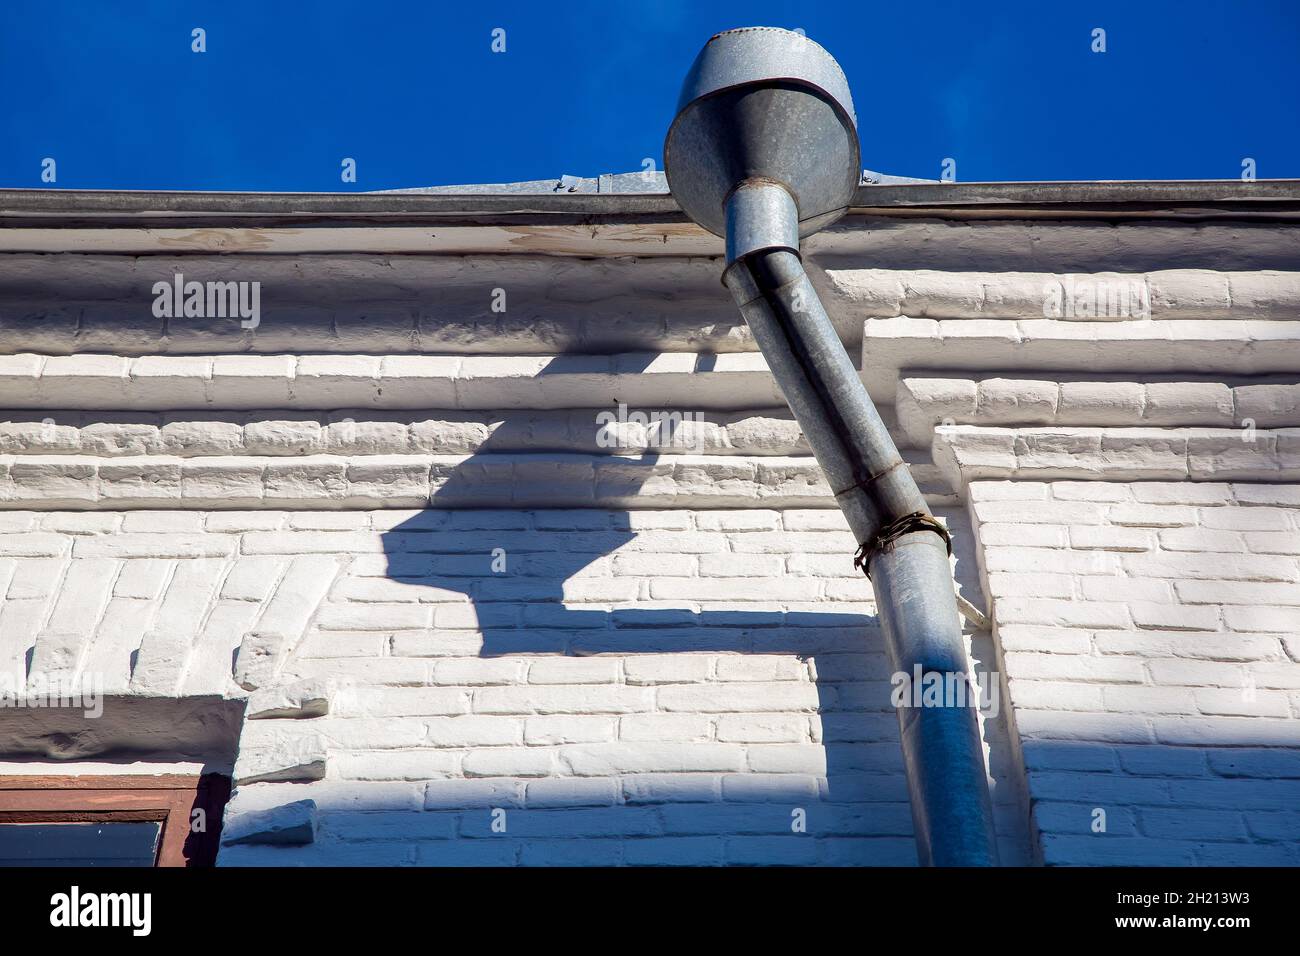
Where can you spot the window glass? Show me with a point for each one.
(79, 844)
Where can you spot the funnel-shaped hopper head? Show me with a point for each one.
(764, 103)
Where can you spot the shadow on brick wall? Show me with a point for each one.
(540, 586)
(1228, 798)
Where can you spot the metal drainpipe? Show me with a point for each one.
(750, 93)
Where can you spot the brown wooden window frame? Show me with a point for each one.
(167, 799)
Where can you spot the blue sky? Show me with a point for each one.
(413, 92)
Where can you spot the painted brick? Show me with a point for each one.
(574, 670)
(1033, 585)
(474, 731)
(413, 765)
(1265, 619)
(666, 669)
(1030, 560)
(570, 729)
(1088, 491)
(1272, 542)
(561, 699)
(1152, 516)
(142, 578)
(1201, 539)
(759, 728)
(747, 697)
(1090, 538)
(1171, 617)
(602, 760)
(1023, 535)
(1180, 641)
(1091, 614)
(1131, 590)
(562, 793)
(510, 761)
(665, 727)
(1237, 592)
(1212, 565)
(365, 701)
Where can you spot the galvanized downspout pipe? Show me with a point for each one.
(764, 150)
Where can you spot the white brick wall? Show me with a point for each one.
(672, 686)
(1148, 634)
(734, 709)
(708, 691)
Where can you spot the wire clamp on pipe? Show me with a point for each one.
(890, 533)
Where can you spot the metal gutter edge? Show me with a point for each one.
(574, 224)
(73, 208)
(1162, 192)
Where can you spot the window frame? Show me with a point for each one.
(167, 799)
